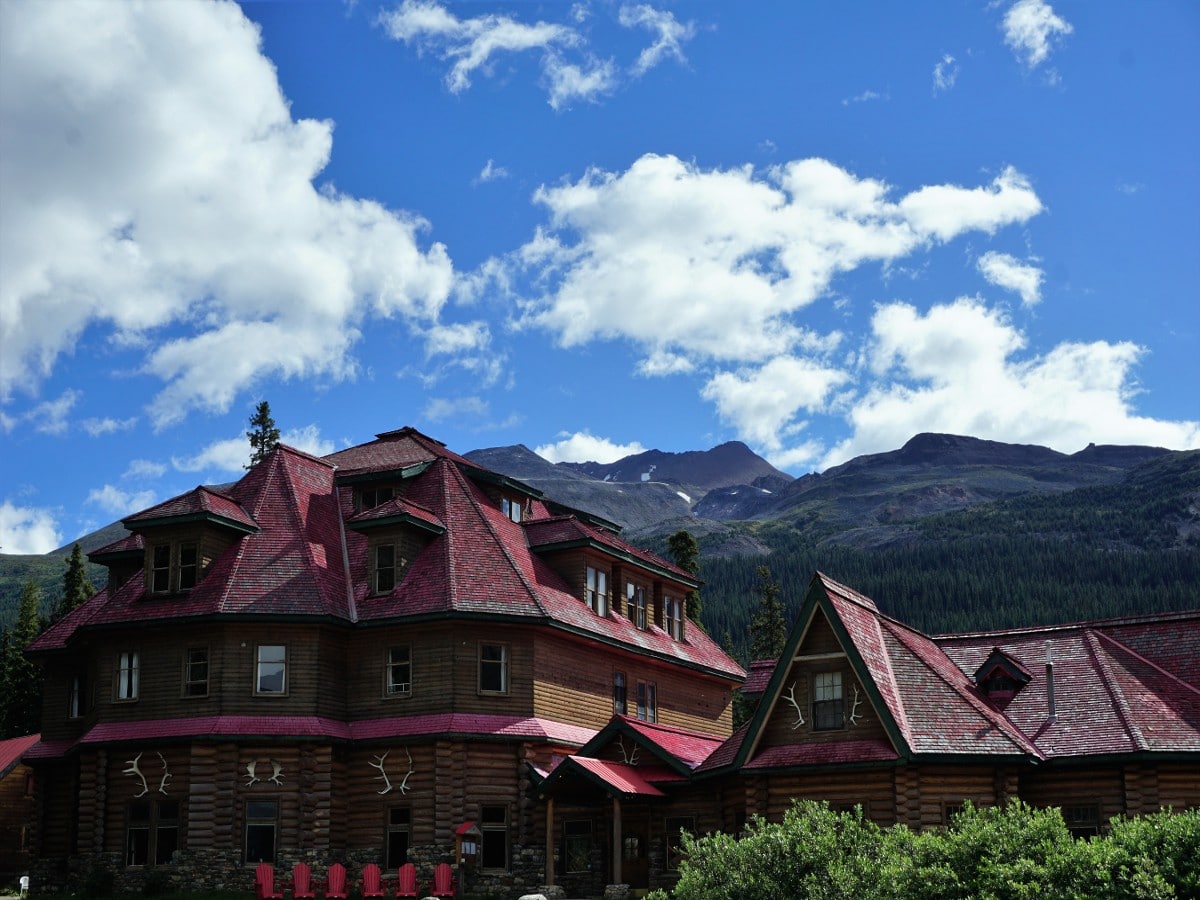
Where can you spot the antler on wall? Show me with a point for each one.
(136, 773)
(790, 696)
(855, 715)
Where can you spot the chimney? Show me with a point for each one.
(1051, 715)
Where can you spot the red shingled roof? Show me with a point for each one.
(202, 501)
(689, 747)
(13, 749)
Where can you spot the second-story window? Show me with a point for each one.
(369, 498)
(511, 508)
(127, 676)
(195, 672)
(619, 703)
(160, 577)
(77, 701)
(271, 669)
(596, 591)
(399, 671)
(647, 701)
(385, 568)
(493, 668)
(827, 701)
(636, 602)
(188, 566)
(673, 617)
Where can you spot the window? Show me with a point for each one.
(271, 670)
(647, 701)
(596, 591)
(399, 670)
(493, 827)
(174, 567)
(577, 845)
(127, 676)
(161, 572)
(493, 668)
(673, 617)
(195, 672)
(636, 602)
(827, 701)
(262, 822)
(369, 498)
(385, 568)
(77, 702)
(675, 825)
(396, 842)
(512, 508)
(1083, 820)
(151, 832)
(619, 704)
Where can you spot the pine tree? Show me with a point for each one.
(22, 680)
(768, 630)
(686, 553)
(77, 588)
(263, 434)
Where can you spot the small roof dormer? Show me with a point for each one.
(1001, 677)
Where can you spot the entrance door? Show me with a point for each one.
(635, 866)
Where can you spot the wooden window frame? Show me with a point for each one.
(391, 826)
(500, 664)
(821, 706)
(77, 696)
(128, 676)
(635, 600)
(157, 822)
(673, 616)
(494, 828)
(672, 825)
(647, 701)
(391, 687)
(259, 662)
(577, 831)
(384, 577)
(190, 679)
(171, 570)
(620, 694)
(595, 589)
(260, 821)
(512, 509)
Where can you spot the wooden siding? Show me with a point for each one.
(783, 727)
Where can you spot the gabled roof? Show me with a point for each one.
(569, 532)
(132, 545)
(394, 451)
(202, 504)
(13, 749)
(396, 511)
(680, 749)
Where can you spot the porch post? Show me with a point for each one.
(549, 840)
(617, 848)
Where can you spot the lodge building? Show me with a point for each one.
(392, 653)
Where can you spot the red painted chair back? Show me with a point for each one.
(443, 881)
(335, 882)
(370, 882)
(406, 881)
(264, 883)
(302, 886)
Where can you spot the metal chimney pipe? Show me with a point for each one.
(1051, 714)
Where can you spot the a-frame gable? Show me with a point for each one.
(622, 741)
(821, 641)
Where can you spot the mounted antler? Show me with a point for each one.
(137, 773)
(250, 776)
(166, 776)
(276, 772)
(404, 788)
(855, 715)
(791, 698)
(631, 759)
(378, 764)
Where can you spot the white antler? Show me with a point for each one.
(276, 772)
(855, 715)
(250, 767)
(166, 776)
(387, 783)
(137, 773)
(404, 788)
(631, 759)
(791, 698)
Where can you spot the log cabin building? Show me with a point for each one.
(391, 653)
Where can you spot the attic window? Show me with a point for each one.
(369, 498)
(636, 604)
(174, 568)
(1001, 676)
(511, 508)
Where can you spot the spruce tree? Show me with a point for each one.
(22, 680)
(768, 629)
(686, 553)
(263, 434)
(77, 588)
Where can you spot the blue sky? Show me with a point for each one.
(590, 228)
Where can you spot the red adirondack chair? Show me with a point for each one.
(335, 883)
(406, 881)
(301, 886)
(370, 887)
(264, 883)
(443, 881)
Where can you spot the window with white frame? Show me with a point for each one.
(596, 590)
(647, 701)
(399, 670)
(493, 669)
(385, 568)
(827, 705)
(195, 672)
(511, 508)
(127, 675)
(270, 676)
(635, 597)
(673, 617)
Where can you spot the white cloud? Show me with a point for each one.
(157, 189)
(97, 427)
(582, 446)
(457, 338)
(439, 409)
(670, 35)
(491, 172)
(1030, 27)
(945, 74)
(570, 81)
(1007, 272)
(27, 530)
(307, 439)
(51, 417)
(958, 369)
(865, 97)
(142, 469)
(120, 503)
(230, 455)
(713, 265)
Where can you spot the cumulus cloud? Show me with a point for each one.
(142, 469)
(1030, 28)
(307, 439)
(491, 172)
(232, 454)
(583, 446)
(959, 369)
(670, 35)
(945, 74)
(52, 417)
(26, 530)
(1007, 272)
(107, 425)
(157, 190)
(439, 409)
(702, 265)
(865, 97)
(117, 502)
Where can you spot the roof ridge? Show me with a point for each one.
(1148, 662)
(1120, 703)
(1143, 619)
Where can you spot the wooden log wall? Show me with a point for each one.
(872, 788)
(1102, 787)
(367, 809)
(949, 786)
(1178, 786)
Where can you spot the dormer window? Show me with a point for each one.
(596, 591)
(673, 617)
(635, 599)
(369, 498)
(511, 508)
(1001, 677)
(174, 568)
(385, 568)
